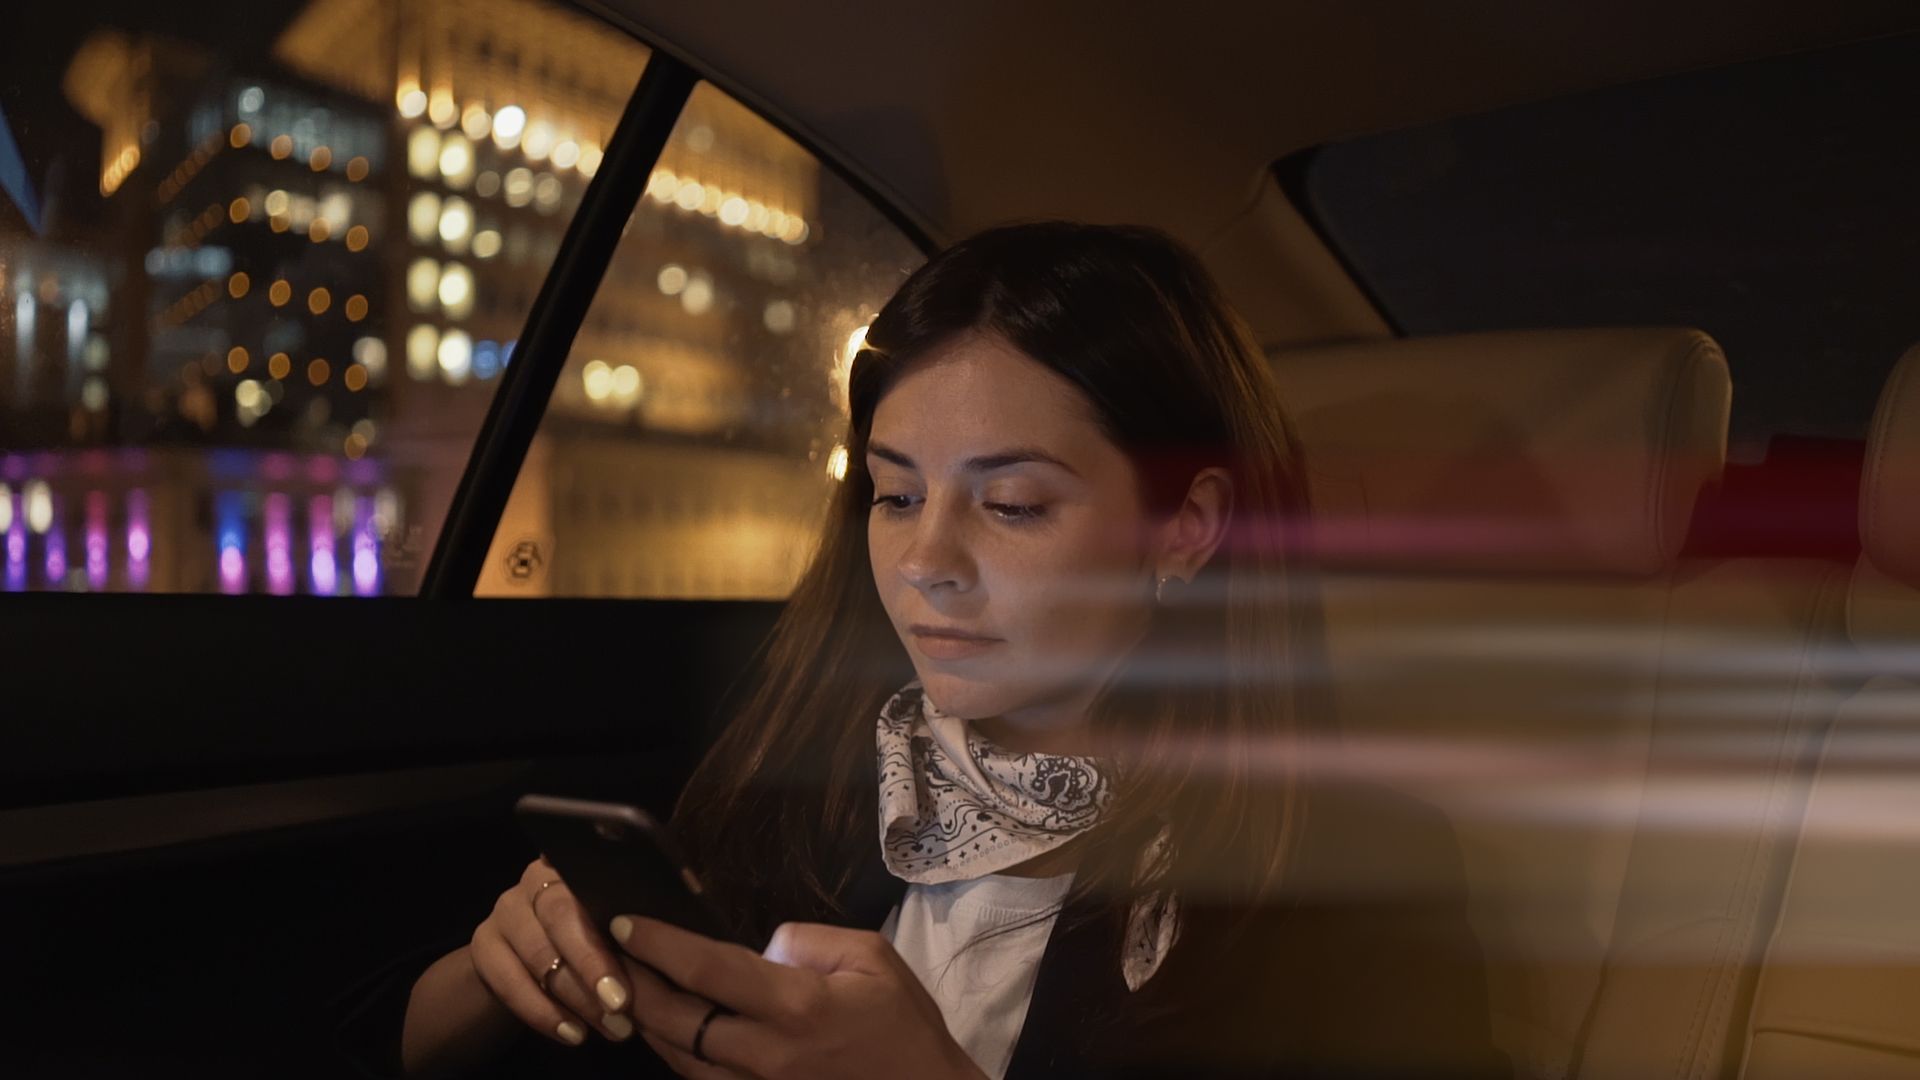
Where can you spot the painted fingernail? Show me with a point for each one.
(612, 994)
(622, 926)
(620, 1026)
(571, 1032)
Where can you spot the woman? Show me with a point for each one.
(1056, 642)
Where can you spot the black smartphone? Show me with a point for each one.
(618, 860)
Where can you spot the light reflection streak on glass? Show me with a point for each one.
(233, 543)
(96, 540)
(139, 540)
(323, 570)
(366, 549)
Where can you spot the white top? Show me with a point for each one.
(982, 991)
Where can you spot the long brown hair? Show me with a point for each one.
(782, 810)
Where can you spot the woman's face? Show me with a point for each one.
(1003, 513)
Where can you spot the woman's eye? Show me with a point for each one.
(1018, 512)
(893, 503)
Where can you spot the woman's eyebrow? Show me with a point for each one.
(1018, 455)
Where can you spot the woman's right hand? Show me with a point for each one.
(532, 923)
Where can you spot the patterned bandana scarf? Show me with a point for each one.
(953, 806)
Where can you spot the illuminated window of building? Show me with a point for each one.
(456, 160)
(518, 186)
(456, 290)
(423, 153)
(423, 216)
(423, 284)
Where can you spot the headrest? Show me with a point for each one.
(1890, 485)
(1565, 451)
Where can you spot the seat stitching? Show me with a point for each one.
(1661, 465)
(1828, 591)
(1883, 425)
(1742, 902)
(1792, 763)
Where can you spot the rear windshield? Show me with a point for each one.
(1772, 204)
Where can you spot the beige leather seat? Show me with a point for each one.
(1840, 991)
(1500, 518)
(1753, 668)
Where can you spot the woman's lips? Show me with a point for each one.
(950, 646)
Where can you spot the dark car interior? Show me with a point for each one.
(1594, 321)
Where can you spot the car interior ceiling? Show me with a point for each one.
(1638, 609)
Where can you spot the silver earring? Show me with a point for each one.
(1160, 589)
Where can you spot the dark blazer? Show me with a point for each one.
(1367, 969)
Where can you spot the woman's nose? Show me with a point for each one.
(937, 557)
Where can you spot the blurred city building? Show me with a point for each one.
(263, 366)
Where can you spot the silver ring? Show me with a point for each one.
(546, 977)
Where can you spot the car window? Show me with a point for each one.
(692, 438)
(260, 269)
(1768, 203)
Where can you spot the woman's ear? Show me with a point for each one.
(1198, 526)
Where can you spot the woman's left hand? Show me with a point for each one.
(822, 1002)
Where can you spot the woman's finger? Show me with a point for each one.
(674, 1017)
(581, 944)
(684, 1063)
(536, 953)
(733, 975)
(506, 976)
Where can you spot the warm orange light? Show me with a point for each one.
(355, 377)
(240, 136)
(238, 284)
(356, 307)
(318, 372)
(321, 159)
(441, 109)
(319, 230)
(280, 222)
(237, 360)
(319, 300)
(281, 148)
(279, 292)
(357, 169)
(279, 365)
(357, 238)
(356, 447)
(238, 209)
